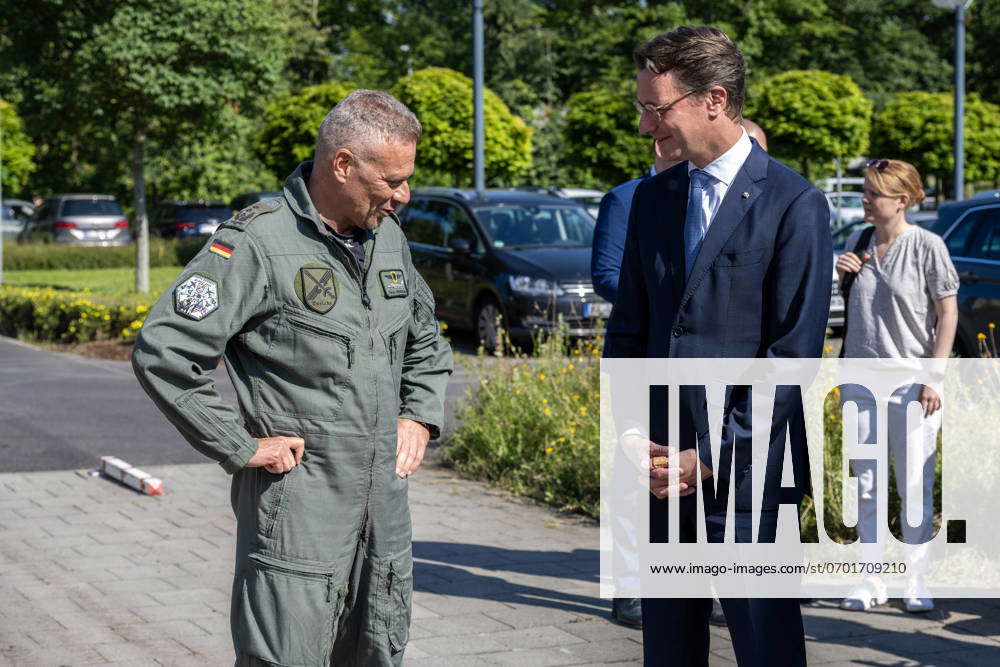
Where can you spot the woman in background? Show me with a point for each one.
(902, 304)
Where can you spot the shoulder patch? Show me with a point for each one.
(197, 297)
(247, 215)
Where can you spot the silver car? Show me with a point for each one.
(80, 219)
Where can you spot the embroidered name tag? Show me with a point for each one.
(393, 283)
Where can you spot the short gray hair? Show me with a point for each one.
(363, 119)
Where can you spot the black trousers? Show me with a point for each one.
(766, 632)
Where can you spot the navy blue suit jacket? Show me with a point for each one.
(609, 238)
(760, 286)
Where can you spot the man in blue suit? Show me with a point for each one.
(609, 233)
(727, 254)
(612, 221)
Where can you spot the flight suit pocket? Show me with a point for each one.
(394, 597)
(309, 370)
(288, 612)
(272, 491)
(395, 344)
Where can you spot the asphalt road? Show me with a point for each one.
(59, 411)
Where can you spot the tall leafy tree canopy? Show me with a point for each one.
(16, 152)
(442, 100)
(812, 117)
(917, 127)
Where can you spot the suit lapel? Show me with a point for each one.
(750, 180)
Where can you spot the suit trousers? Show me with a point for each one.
(764, 631)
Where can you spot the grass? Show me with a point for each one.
(111, 284)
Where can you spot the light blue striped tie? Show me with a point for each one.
(695, 222)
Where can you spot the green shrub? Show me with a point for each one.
(532, 425)
(50, 315)
(44, 256)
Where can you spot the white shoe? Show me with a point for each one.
(917, 599)
(869, 594)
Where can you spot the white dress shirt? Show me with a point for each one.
(722, 170)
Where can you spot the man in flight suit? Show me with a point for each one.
(329, 337)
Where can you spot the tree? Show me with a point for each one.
(442, 100)
(17, 151)
(157, 65)
(602, 144)
(919, 127)
(290, 123)
(812, 117)
(215, 163)
(112, 79)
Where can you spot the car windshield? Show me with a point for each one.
(203, 214)
(520, 225)
(847, 200)
(91, 207)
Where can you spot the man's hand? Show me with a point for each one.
(411, 441)
(277, 455)
(688, 466)
(930, 400)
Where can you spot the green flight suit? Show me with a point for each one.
(318, 349)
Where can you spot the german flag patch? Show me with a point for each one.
(221, 249)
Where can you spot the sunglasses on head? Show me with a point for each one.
(877, 164)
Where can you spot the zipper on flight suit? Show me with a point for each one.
(318, 331)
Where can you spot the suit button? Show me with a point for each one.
(677, 331)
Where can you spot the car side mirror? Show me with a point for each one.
(460, 246)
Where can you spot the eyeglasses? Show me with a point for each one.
(658, 111)
(878, 164)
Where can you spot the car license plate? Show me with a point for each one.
(836, 302)
(94, 234)
(596, 309)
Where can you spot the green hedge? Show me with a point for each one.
(52, 315)
(45, 256)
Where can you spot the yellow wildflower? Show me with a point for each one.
(541, 376)
(548, 411)
(981, 336)
(548, 450)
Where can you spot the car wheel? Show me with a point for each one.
(489, 321)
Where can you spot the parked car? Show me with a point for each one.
(14, 215)
(971, 231)
(185, 219)
(850, 207)
(522, 258)
(240, 202)
(79, 219)
(591, 199)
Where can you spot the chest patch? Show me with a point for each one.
(197, 297)
(316, 286)
(393, 283)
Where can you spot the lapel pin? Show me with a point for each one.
(746, 195)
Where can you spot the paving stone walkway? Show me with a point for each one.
(93, 573)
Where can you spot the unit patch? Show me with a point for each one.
(197, 297)
(221, 249)
(393, 283)
(316, 286)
